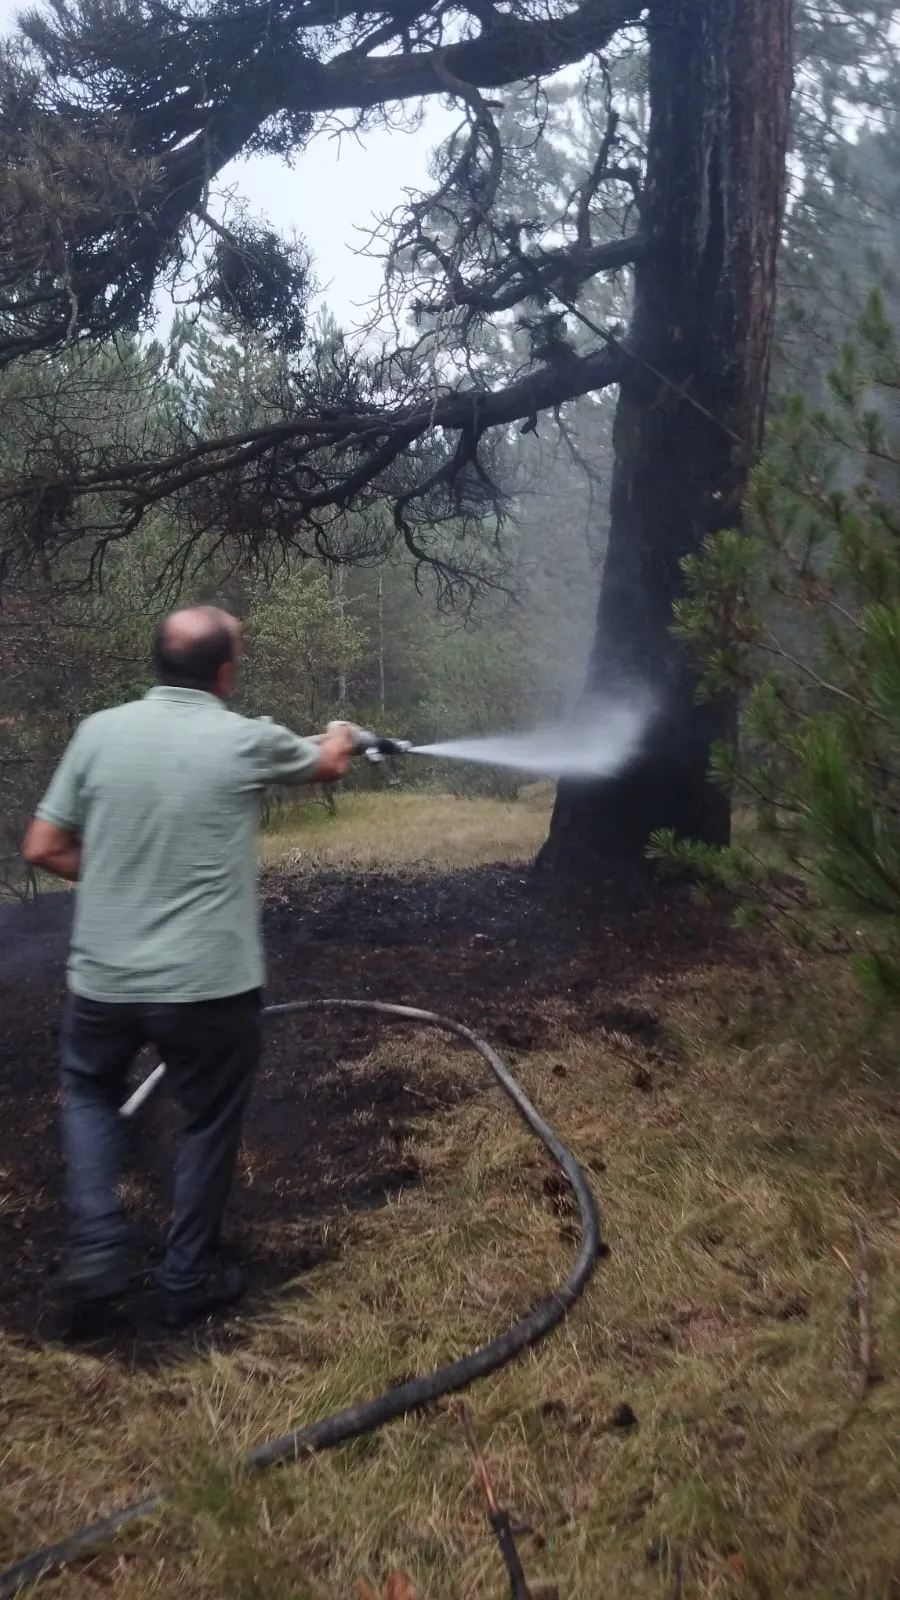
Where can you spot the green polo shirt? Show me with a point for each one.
(165, 796)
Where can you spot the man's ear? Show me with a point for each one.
(225, 680)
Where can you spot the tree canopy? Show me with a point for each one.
(116, 120)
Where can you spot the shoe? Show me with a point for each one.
(222, 1286)
(100, 1272)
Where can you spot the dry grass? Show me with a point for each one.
(405, 830)
(730, 1186)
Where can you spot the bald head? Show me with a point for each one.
(198, 648)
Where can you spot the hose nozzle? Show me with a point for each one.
(384, 748)
(376, 747)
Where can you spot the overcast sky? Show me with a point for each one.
(334, 189)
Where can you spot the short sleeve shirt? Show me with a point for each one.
(165, 795)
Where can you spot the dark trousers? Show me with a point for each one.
(211, 1050)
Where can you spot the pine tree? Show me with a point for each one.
(800, 614)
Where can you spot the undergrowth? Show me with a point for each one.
(701, 1425)
(406, 829)
(717, 1419)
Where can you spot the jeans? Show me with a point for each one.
(211, 1050)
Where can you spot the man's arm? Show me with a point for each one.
(53, 849)
(53, 840)
(286, 758)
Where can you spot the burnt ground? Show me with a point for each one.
(325, 1132)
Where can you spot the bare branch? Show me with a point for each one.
(541, 274)
(378, 436)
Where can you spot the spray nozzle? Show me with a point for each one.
(383, 748)
(376, 747)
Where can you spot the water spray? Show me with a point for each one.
(604, 735)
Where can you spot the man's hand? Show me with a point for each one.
(337, 747)
(53, 849)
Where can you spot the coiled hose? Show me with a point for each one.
(407, 1397)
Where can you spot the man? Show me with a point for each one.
(153, 811)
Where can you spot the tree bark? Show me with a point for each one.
(339, 581)
(691, 405)
(382, 690)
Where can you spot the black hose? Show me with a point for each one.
(407, 1397)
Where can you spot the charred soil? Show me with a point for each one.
(327, 1132)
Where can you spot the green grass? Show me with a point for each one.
(406, 829)
(732, 1195)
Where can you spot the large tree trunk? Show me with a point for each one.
(691, 409)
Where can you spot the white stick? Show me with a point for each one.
(143, 1091)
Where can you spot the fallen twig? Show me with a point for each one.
(500, 1521)
(860, 1275)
